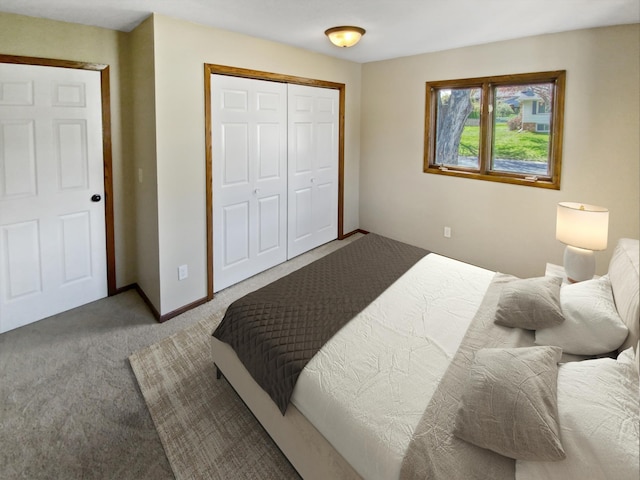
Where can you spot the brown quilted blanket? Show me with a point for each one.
(277, 329)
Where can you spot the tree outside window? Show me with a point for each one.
(506, 128)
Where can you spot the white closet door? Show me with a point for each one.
(52, 235)
(249, 149)
(313, 167)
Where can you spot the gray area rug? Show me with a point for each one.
(206, 430)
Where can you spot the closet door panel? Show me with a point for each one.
(326, 144)
(313, 167)
(235, 155)
(249, 153)
(324, 202)
(275, 173)
(235, 238)
(268, 152)
(269, 224)
(301, 149)
(302, 204)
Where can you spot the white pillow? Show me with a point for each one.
(599, 418)
(624, 271)
(591, 324)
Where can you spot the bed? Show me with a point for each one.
(393, 384)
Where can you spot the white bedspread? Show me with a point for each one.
(368, 387)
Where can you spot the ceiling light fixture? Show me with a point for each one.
(345, 36)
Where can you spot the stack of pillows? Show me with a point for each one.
(574, 421)
(581, 318)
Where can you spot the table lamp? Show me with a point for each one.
(582, 228)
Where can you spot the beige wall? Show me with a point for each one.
(181, 50)
(34, 37)
(157, 103)
(142, 107)
(499, 226)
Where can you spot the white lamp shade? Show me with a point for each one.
(345, 36)
(583, 226)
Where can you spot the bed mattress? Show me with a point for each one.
(368, 387)
(278, 328)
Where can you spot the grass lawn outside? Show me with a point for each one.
(508, 144)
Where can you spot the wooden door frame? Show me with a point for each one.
(210, 69)
(106, 146)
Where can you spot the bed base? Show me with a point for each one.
(306, 449)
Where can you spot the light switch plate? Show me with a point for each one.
(183, 272)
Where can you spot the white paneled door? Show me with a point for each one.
(275, 173)
(313, 167)
(249, 149)
(52, 216)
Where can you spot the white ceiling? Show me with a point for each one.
(395, 28)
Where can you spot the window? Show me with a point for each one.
(538, 106)
(504, 129)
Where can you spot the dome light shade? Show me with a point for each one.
(345, 36)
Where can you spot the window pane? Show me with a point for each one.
(458, 127)
(521, 120)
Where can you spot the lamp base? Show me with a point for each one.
(579, 264)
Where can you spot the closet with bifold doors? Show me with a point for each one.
(275, 157)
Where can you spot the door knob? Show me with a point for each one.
(96, 198)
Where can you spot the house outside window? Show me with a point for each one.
(506, 128)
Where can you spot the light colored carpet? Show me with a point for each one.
(206, 430)
(70, 405)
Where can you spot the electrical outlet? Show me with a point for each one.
(183, 272)
(447, 232)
